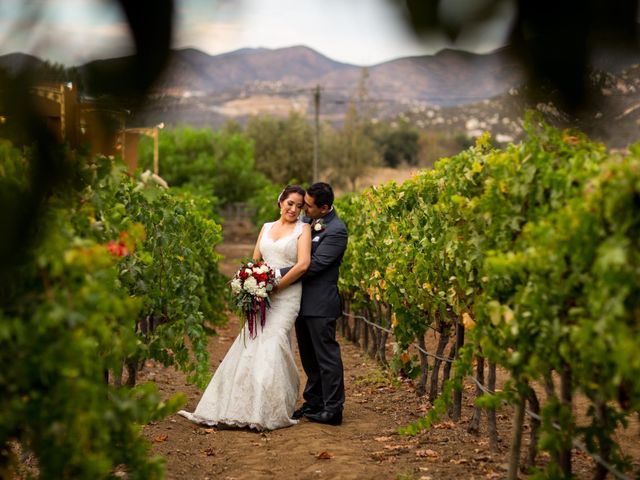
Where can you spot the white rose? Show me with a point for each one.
(264, 269)
(248, 271)
(236, 286)
(250, 285)
(261, 292)
(317, 227)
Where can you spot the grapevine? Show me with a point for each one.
(525, 258)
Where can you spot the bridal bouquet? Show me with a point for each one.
(250, 287)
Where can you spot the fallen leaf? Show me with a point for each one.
(427, 453)
(394, 447)
(209, 452)
(382, 439)
(210, 430)
(324, 455)
(458, 462)
(378, 456)
(161, 438)
(445, 425)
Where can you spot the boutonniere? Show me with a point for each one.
(318, 226)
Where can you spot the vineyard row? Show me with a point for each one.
(525, 258)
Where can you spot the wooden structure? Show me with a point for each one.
(58, 104)
(90, 125)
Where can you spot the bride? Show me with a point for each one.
(256, 385)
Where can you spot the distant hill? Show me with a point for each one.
(448, 78)
(202, 89)
(16, 62)
(454, 92)
(293, 66)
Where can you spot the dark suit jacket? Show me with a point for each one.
(320, 283)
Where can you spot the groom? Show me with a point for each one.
(320, 308)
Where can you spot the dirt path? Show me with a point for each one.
(365, 446)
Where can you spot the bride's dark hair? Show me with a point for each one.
(288, 190)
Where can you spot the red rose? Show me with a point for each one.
(261, 277)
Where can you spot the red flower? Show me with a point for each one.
(117, 249)
(260, 277)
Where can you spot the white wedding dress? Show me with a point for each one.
(256, 385)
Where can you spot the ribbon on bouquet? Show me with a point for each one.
(258, 309)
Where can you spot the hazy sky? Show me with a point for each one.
(363, 32)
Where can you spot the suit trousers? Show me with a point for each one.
(322, 363)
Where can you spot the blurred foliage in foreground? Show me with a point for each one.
(122, 272)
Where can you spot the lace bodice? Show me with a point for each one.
(282, 252)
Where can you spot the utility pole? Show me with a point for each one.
(316, 136)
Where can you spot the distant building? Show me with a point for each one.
(86, 124)
(58, 104)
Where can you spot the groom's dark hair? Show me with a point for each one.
(322, 194)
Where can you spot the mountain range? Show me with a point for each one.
(201, 89)
(450, 77)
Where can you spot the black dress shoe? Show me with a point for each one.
(303, 410)
(325, 416)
